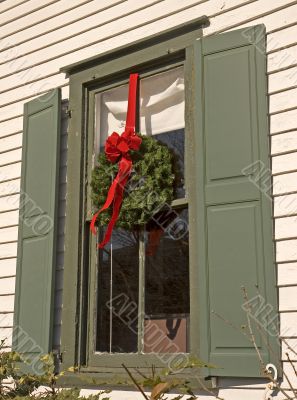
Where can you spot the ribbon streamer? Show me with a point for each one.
(117, 149)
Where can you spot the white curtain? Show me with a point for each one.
(161, 106)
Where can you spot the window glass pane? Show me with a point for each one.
(175, 141)
(162, 109)
(111, 109)
(117, 310)
(161, 114)
(162, 102)
(167, 304)
(162, 106)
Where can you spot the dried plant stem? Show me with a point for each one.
(135, 382)
(251, 338)
(252, 335)
(260, 330)
(206, 389)
(292, 365)
(140, 373)
(289, 347)
(245, 295)
(232, 325)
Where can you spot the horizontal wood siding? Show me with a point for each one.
(38, 37)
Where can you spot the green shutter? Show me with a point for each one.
(235, 239)
(36, 243)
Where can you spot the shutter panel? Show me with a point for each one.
(37, 226)
(234, 214)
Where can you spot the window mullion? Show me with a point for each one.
(141, 292)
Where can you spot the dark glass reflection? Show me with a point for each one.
(117, 311)
(167, 303)
(175, 141)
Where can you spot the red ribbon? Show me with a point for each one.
(117, 148)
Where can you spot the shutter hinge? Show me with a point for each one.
(214, 382)
(68, 112)
(58, 356)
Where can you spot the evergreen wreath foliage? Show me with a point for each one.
(150, 185)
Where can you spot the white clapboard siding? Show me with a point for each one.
(6, 334)
(101, 39)
(283, 122)
(8, 188)
(289, 348)
(283, 101)
(288, 320)
(206, 30)
(283, 80)
(286, 294)
(26, 91)
(287, 251)
(10, 202)
(9, 4)
(50, 66)
(7, 285)
(6, 320)
(285, 205)
(276, 19)
(23, 9)
(284, 163)
(107, 23)
(7, 267)
(8, 235)
(10, 171)
(96, 35)
(11, 126)
(7, 303)
(8, 250)
(247, 13)
(286, 228)
(281, 59)
(10, 143)
(31, 78)
(289, 374)
(280, 39)
(10, 157)
(286, 183)
(287, 273)
(79, 11)
(13, 110)
(283, 143)
(48, 12)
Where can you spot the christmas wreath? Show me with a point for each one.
(134, 177)
(149, 187)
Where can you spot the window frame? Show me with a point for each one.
(155, 54)
(94, 358)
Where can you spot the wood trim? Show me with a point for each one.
(178, 30)
(157, 52)
(73, 225)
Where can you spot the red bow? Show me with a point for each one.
(117, 148)
(117, 145)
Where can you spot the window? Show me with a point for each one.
(143, 276)
(174, 285)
